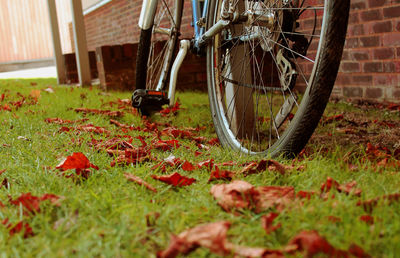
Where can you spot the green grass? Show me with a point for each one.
(105, 215)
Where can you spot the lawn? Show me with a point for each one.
(96, 211)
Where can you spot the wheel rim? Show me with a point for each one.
(260, 72)
(163, 42)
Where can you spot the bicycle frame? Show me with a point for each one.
(199, 17)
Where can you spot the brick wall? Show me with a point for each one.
(370, 66)
(371, 61)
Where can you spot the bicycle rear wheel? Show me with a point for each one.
(270, 75)
(157, 46)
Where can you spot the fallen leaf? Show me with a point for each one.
(139, 181)
(220, 174)
(312, 243)
(367, 219)
(2, 171)
(166, 145)
(212, 236)
(175, 179)
(242, 195)
(187, 166)
(79, 162)
(19, 227)
(370, 204)
(101, 112)
(267, 221)
(347, 188)
(262, 165)
(32, 203)
(206, 163)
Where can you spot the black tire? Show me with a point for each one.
(156, 50)
(288, 133)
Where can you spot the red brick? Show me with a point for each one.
(353, 92)
(396, 94)
(386, 80)
(355, 30)
(381, 27)
(357, 5)
(373, 93)
(391, 12)
(370, 41)
(362, 79)
(349, 67)
(384, 53)
(371, 15)
(376, 3)
(391, 39)
(389, 67)
(352, 43)
(373, 67)
(360, 54)
(354, 18)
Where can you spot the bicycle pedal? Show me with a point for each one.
(148, 102)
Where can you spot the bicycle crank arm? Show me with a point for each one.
(183, 48)
(211, 32)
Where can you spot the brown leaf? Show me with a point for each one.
(211, 236)
(267, 221)
(347, 188)
(139, 181)
(311, 243)
(370, 204)
(242, 195)
(220, 174)
(100, 112)
(260, 166)
(367, 219)
(175, 179)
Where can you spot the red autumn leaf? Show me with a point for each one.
(139, 181)
(206, 163)
(111, 144)
(367, 219)
(175, 179)
(370, 204)
(100, 112)
(89, 128)
(76, 161)
(171, 110)
(2, 171)
(312, 243)
(260, 166)
(60, 121)
(242, 195)
(19, 227)
(187, 166)
(347, 188)
(132, 156)
(177, 133)
(220, 174)
(305, 194)
(213, 141)
(2, 205)
(166, 145)
(333, 118)
(357, 251)
(197, 153)
(214, 237)
(115, 122)
(32, 203)
(334, 219)
(4, 183)
(268, 220)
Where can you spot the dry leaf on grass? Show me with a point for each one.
(139, 181)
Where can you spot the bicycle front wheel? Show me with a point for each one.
(157, 46)
(271, 72)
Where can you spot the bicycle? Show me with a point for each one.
(271, 65)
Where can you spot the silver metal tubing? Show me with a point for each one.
(147, 13)
(183, 48)
(214, 30)
(164, 31)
